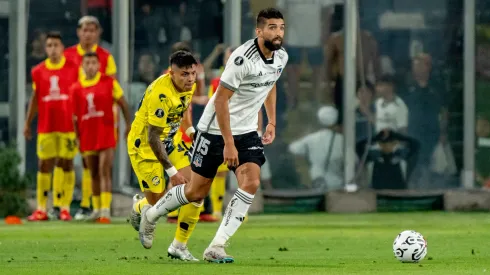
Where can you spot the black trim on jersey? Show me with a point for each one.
(266, 61)
(228, 86)
(250, 49)
(252, 53)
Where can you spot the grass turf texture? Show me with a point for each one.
(266, 244)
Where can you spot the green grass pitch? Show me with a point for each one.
(458, 243)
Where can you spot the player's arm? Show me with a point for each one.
(187, 123)
(31, 112)
(270, 109)
(118, 94)
(157, 146)
(223, 95)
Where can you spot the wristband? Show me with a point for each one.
(201, 76)
(172, 171)
(190, 131)
(260, 133)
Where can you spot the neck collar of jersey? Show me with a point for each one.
(52, 66)
(81, 51)
(266, 61)
(91, 82)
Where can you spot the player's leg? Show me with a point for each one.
(205, 163)
(218, 189)
(92, 160)
(173, 216)
(46, 152)
(86, 187)
(251, 158)
(106, 158)
(58, 179)
(68, 150)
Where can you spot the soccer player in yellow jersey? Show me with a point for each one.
(153, 145)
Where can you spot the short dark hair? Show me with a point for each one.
(54, 35)
(269, 13)
(182, 59)
(91, 54)
(181, 46)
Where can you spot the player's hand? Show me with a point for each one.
(269, 135)
(230, 155)
(27, 132)
(178, 179)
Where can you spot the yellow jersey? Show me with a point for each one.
(162, 105)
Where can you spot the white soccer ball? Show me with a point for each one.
(410, 247)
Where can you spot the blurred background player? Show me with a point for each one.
(88, 32)
(56, 142)
(93, 98)
(154, 145)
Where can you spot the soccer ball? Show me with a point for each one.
(410, 247)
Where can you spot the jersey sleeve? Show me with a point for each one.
(158, 106)
(34, 79)
(235, 71)
(111, 68)
(117, 91)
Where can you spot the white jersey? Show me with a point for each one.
(251, 77)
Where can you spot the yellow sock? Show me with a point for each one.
(137, 206)
(43, 186)
(58, 180)
(96, 203)
(173, 214)
(86, 188)
(188, 218)
(218, 189)
(68, 187)
(105, 200)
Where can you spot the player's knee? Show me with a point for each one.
(46, 165)
(195, 194)
(250, 186)
(66, 164)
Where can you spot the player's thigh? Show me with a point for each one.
(92, 160)
(106, 159)
(250, 149)
(68, 145)
(149, 174)
(47, 146)
(207, 154)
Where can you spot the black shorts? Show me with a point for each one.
(207, 152)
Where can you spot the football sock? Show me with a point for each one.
(86, 188)
(43, 186)
(188, 218)
(68, 186)
(137, 206)
(96, 203)
(105, 200)
(218, 189)
(58, 182)
(174, 198)
(233, 217)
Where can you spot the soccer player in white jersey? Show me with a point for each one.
(228, 134)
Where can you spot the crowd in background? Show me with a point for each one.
(409, 80)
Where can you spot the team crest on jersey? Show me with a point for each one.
(155, 180)
(197, 160)
(159, 113)
(279, 71)
(238, 61)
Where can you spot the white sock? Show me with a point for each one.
(233, 217)
(174, 199)
(178, 244)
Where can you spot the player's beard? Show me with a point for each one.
(269, 44)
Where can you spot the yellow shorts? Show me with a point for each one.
(57, 145)
(90, 153)
(150, 172)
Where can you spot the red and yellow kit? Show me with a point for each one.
(51, 83)
(107, 67)
(92, 101)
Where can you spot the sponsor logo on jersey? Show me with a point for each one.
(265, 84)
